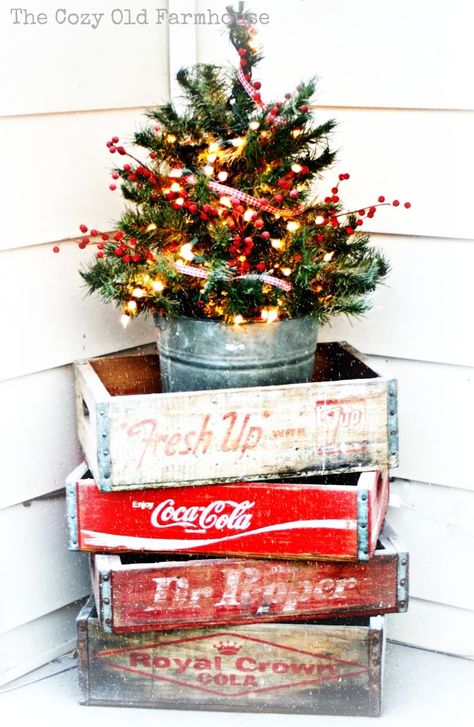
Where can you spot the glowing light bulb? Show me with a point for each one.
(295, 133)
(124, 320)
(328, 257)
(131, 306)
(138, 293)
(292, 226)
(239, 319)
(225, 201)
(222, 176)
(272, 315)
(254, 125)
(186, 251)
(320, 220)
(249, 215)
(157, 286)
(277, 244)
(179, 201)
(176, 173)
(208, 170)
(242, 258)
(239, 141)
(175, 187)
(214, 146)
(286, 271)
(211, 158)
(151, 227)
(171, 138)
(296, 168)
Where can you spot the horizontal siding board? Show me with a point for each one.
(436, 526)
(38, 642)
(431, 327)
(435, 405)
(359, 58)
(433, 626)
(63, 176)
(38, 562)
(57, 323)
(92, 72)
(42, 445)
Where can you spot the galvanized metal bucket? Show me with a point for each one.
(198, 354)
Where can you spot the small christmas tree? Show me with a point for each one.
(222, 221)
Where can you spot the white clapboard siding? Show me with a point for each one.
(115, 65)
(37, 570)
(41, 434)
(62, 179)
(56, 322)
(435, 405)
(37, 642)
(434, 626)
(436, 529)
(411, 317)
(366, 53)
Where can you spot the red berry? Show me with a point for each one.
(257, 85)
(347, 176)
(85, 240)
(126, 258)
(372, 210)
(328, 200)
(260, 267)
(193, 208)
(335, 190)
(119, 236)
(104, 236)
(381, 199)
(83, 228)
(126, 167)
(359, 223)
(100, 245)
(257, 97)
(362, 213)
(349, 230)
(304, 109)
(118, 251)
(278, 198)
(335, 199)
(342, 177)
(265, 235)
(112, 149)
(370, 215)
(294, 194)
(121, 150)
(305, 170)
(115, 139)
(82, 245)
(395, 202)
(133, 241)
(248, 240)
(109, 144)
(407, 205)
(242, 51)
(243, 62)
(136, 258)
(115, 175)
(112, 187)
(258, 224)
(100, 254)
(94, 233)
(287, 95)
(55, 248)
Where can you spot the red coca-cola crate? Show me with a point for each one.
(315, 668)
(337, 516)
(144, 593)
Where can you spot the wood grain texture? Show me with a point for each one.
(338, 423)
(326, 517)
(142, 594)
(318, 669)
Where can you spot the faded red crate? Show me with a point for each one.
(133, 436)
(323, 668)
(134, 593)
(340, 519)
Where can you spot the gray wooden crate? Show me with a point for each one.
(134, 436)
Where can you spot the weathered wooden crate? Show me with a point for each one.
(133, 435)
(340, 519)
(297, 668)
(143, 593)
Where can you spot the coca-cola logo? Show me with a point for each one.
(217, 515)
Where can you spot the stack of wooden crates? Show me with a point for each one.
(239, 556)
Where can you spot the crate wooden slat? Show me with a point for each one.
(144, 594)
(296, 668)
(133, 435)
(297, 519)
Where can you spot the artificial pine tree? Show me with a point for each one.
(224, 218)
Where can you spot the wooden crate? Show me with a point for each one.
(134, 593)
(300, 519)
(133, 435)
(297, 668)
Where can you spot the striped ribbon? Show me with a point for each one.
(200, 273)
(261, 204)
